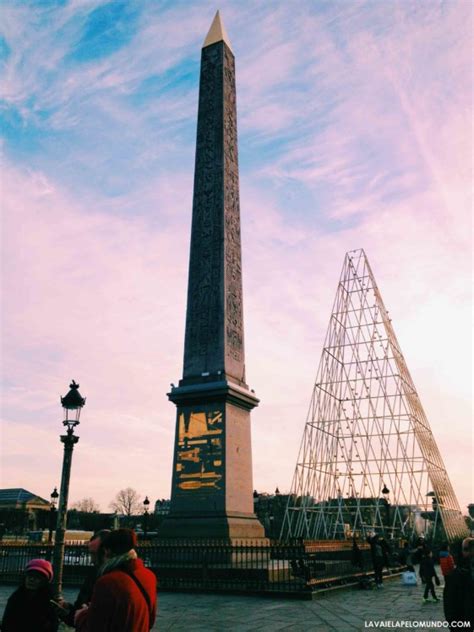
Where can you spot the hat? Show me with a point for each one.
(120, 541)
(40, 566)
(97, 540)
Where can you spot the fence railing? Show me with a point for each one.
(273, 567)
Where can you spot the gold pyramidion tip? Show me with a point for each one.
(217, 33)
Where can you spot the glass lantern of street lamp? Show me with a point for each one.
(72, 404)
(385, 492)
(146, 503)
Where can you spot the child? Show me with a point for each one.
(28, 608)
(428, 572)
(446, 560)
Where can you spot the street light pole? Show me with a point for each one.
(386, 495)
(54, 500)
(72, 404)
(146, 502)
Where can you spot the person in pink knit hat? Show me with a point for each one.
(29, 608)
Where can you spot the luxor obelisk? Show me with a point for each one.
(211, 493)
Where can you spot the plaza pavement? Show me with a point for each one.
(343, 610)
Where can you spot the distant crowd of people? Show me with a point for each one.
(458, 593)
(119, 594)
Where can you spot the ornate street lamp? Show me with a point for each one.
(72, 405)
(386, 495)
(52, 514)
(146, 503)
(434, 507)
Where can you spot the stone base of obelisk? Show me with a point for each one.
(243, 573)
(224, 527)
(212, 492)
(226, 549)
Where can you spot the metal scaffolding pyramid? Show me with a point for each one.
(368, 459)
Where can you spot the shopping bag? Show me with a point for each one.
(409, 579)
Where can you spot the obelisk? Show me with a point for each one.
(211, 495)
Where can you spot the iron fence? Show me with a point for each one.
(272, 567)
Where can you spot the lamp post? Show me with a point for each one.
(434, 507)
(72, 404)
(146, 503)
(386, 495)
(52, 514)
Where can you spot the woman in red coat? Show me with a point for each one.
(124, 597)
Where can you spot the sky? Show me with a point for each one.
(355, 131)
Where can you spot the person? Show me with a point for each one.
(458, 594)
(428, 572)
(386, 550)
(67, 610)
(356, 557)
(421, 551)
(124, 595)
(446, 560)
(379, 558)
(405, 557)
(29, 608)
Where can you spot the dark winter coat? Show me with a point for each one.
(421, 551)
(427, 568)
(117, 603)
(458, 595)
(30, 611)
(84, 596)
(356, 557)
(405, 557)
(378, 551)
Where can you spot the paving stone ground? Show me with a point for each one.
(345, 610)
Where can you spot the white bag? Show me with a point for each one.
(409, 579)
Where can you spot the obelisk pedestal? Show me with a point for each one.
(212, 491)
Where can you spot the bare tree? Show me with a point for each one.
(87, 505)
(127, 502)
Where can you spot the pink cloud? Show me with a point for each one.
(95, 288)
